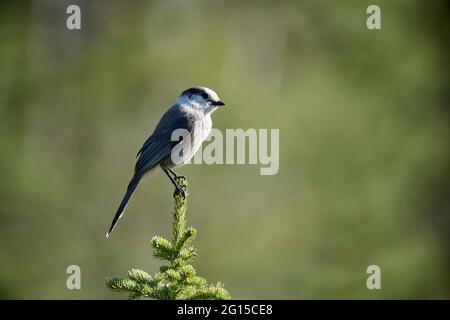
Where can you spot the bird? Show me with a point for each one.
(191, 114)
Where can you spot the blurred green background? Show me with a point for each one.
(363, 119)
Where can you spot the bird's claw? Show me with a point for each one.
(177, 178)
(181, 191)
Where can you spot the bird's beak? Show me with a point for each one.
(217, 103)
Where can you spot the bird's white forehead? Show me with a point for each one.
(199, 91)
(210, 92)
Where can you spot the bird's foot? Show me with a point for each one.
(180, 190)
(182, 182)
(176, 176)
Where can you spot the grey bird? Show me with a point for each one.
(191, 115)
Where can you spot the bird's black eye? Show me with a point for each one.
(204, 95)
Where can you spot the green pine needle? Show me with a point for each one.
(177, 280)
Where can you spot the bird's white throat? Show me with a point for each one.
(203, 106)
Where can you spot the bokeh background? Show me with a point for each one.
(363, 119)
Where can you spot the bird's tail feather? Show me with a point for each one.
(130, 190)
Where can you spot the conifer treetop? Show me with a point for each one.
(176, 280)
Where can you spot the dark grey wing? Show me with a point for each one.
(159, 145)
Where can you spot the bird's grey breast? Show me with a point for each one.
(201, 127)
(158, 147)
(195, 127)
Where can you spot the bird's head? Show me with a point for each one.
(201, 98)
